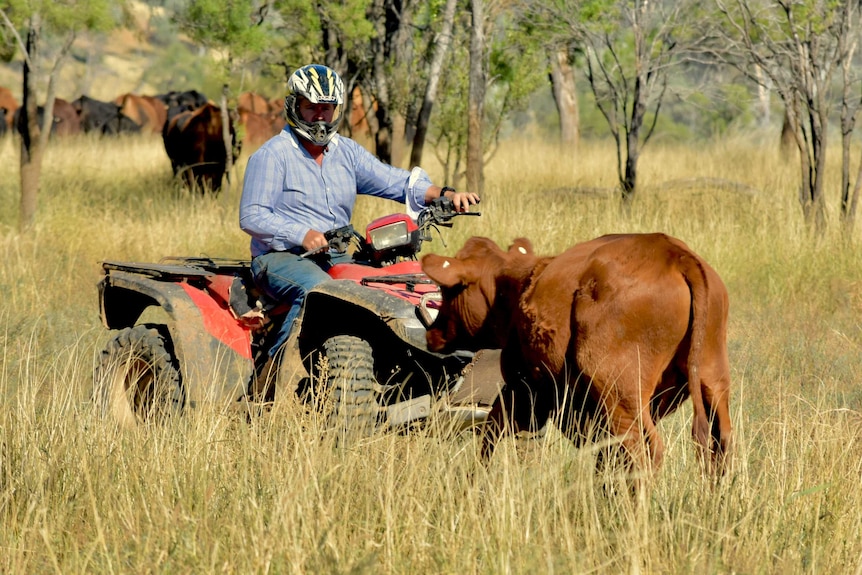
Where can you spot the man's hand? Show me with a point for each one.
(314, 241)
(460, 200)
(463, 200)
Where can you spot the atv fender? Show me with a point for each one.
(360, 309)
(214, 358)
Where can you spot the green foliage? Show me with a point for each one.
(178, 66)
(227, 25)
(348, 19)
(67, 15)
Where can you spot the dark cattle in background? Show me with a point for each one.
(66, 119)
(195, 145)
(8, 105)
(103, 117)
(620, 329)
(176, 102)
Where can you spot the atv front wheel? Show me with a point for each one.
(350, 386)
(138, 378)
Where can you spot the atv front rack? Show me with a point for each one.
(410, 280)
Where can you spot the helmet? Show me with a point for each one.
(318, 84)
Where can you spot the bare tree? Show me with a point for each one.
(630, 45)
(65, 22)
(441, 48)
(799, 46)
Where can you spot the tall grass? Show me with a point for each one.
(209, 492)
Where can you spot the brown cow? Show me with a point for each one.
(8, 105)
(160, 109)
(66, 121)
(252, 102)
(195, 145)
(142, 111)
(258, 128)
(620, 329)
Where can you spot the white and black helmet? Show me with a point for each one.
(319, 85)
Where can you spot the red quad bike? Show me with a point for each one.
(359, 342)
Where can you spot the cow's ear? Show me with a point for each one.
(446, 272)
(521, 246)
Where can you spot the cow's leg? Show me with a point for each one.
(641, 448)
(494, 428)
(718, 411)
(517, 409)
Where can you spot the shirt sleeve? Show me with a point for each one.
(377, 178)
(262, 188)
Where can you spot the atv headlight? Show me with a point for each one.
(389, 236)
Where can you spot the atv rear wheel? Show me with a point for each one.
(350, 387)
(138, 378)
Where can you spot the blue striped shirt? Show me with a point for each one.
(285, 193)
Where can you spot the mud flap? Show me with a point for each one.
(469, 404)
(482, 382)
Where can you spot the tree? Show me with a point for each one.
(630, 47)
(440, 51)
(55, 19)
(515, 66)
(799, 46)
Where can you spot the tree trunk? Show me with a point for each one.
(788, 139)
(31, 143)
(630, 180)
(225, 134)
(476, 104)
(383, 134)
(566, 98)
(764, 114)
(848, 123)
(444, 39)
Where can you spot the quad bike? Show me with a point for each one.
(359, 341)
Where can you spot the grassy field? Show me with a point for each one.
(211, 493)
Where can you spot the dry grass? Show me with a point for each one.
(210, 493)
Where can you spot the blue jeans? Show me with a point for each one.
(285, 277)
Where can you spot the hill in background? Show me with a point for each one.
(150, 58)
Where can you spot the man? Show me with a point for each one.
(304, 181)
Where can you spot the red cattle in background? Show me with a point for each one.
(8, 105)
(143, 111)
(252, 102)
(66, 121)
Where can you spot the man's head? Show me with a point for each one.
(314, 104)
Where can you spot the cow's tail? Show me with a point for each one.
(696, 278)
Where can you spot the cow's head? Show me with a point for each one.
(480, 286)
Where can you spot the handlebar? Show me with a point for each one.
(439, 213)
